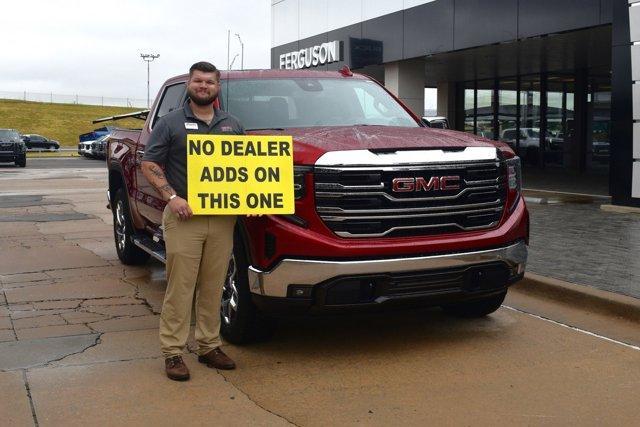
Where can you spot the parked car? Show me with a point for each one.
(529, 137)
(84, 148)
(99, 146)
(12, 149)
(34, 141)
(88, 146)
(387, 212)
(436, 122)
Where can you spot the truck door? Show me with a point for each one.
(148, 201)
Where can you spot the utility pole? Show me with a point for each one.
(241, 52)
(148, 58)
(232, 61)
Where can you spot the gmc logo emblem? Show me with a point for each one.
(435, 183)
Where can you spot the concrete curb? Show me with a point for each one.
(548, 197)
(620, 209)
(592, 299)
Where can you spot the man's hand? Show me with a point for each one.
(180, 207)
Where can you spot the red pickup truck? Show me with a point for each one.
(388, 211)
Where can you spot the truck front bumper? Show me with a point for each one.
(328, 282)
(9, 156)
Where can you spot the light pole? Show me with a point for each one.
(232, 61)
(148, 58)
(241, 52)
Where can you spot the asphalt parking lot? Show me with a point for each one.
(78, 342)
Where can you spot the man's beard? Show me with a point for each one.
(201, 101)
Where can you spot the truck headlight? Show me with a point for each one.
(514, 181)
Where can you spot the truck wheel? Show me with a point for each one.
(123, 230)
(22, 161)
(240, 320)
(476, 308)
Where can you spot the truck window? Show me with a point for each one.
(171, 99)
(308, 102)
(370, 108)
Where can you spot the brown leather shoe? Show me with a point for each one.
(176, 369)
(217, 359)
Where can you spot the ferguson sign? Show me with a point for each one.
(311, 56)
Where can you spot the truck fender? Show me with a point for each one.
(117, 181)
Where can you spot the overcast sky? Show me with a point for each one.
(91, 47)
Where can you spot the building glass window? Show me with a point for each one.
(559, 140)
(469, 107)
(557, 123)
(599, 122)
(508, 111)
(484, 109)
(528, 146)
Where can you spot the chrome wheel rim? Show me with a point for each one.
(229, 304)
(120, 226)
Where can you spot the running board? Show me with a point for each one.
(155, 249)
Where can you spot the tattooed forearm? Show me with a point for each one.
(156, 171)
(167, 189)
(157, 179)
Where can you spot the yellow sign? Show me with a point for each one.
(240, 174)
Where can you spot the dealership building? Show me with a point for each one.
(555, 79)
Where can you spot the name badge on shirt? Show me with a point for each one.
(191, 126)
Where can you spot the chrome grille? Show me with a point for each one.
(359, 201)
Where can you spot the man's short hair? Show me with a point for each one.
(205, 67)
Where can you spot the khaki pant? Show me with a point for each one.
(198, 252)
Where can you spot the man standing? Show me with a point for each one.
(198, 247)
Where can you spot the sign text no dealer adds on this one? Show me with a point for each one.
(240, 174)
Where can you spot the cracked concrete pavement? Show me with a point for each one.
(73, 318)
(79, 345)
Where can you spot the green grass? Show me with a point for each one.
(62, 122)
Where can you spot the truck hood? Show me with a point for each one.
(311, 143)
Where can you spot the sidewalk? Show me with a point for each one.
(572, 239)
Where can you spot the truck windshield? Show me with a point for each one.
(9, 134)
(308, 102)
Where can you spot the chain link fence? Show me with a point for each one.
(56, 98)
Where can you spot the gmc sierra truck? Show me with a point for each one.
(387, 211)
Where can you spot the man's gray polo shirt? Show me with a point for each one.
(168, 142)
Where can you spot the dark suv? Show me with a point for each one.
(39, 141)
(12, 149)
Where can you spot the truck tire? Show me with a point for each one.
(123, 230)
(476, 308)
(240, 320)
(22, 161)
